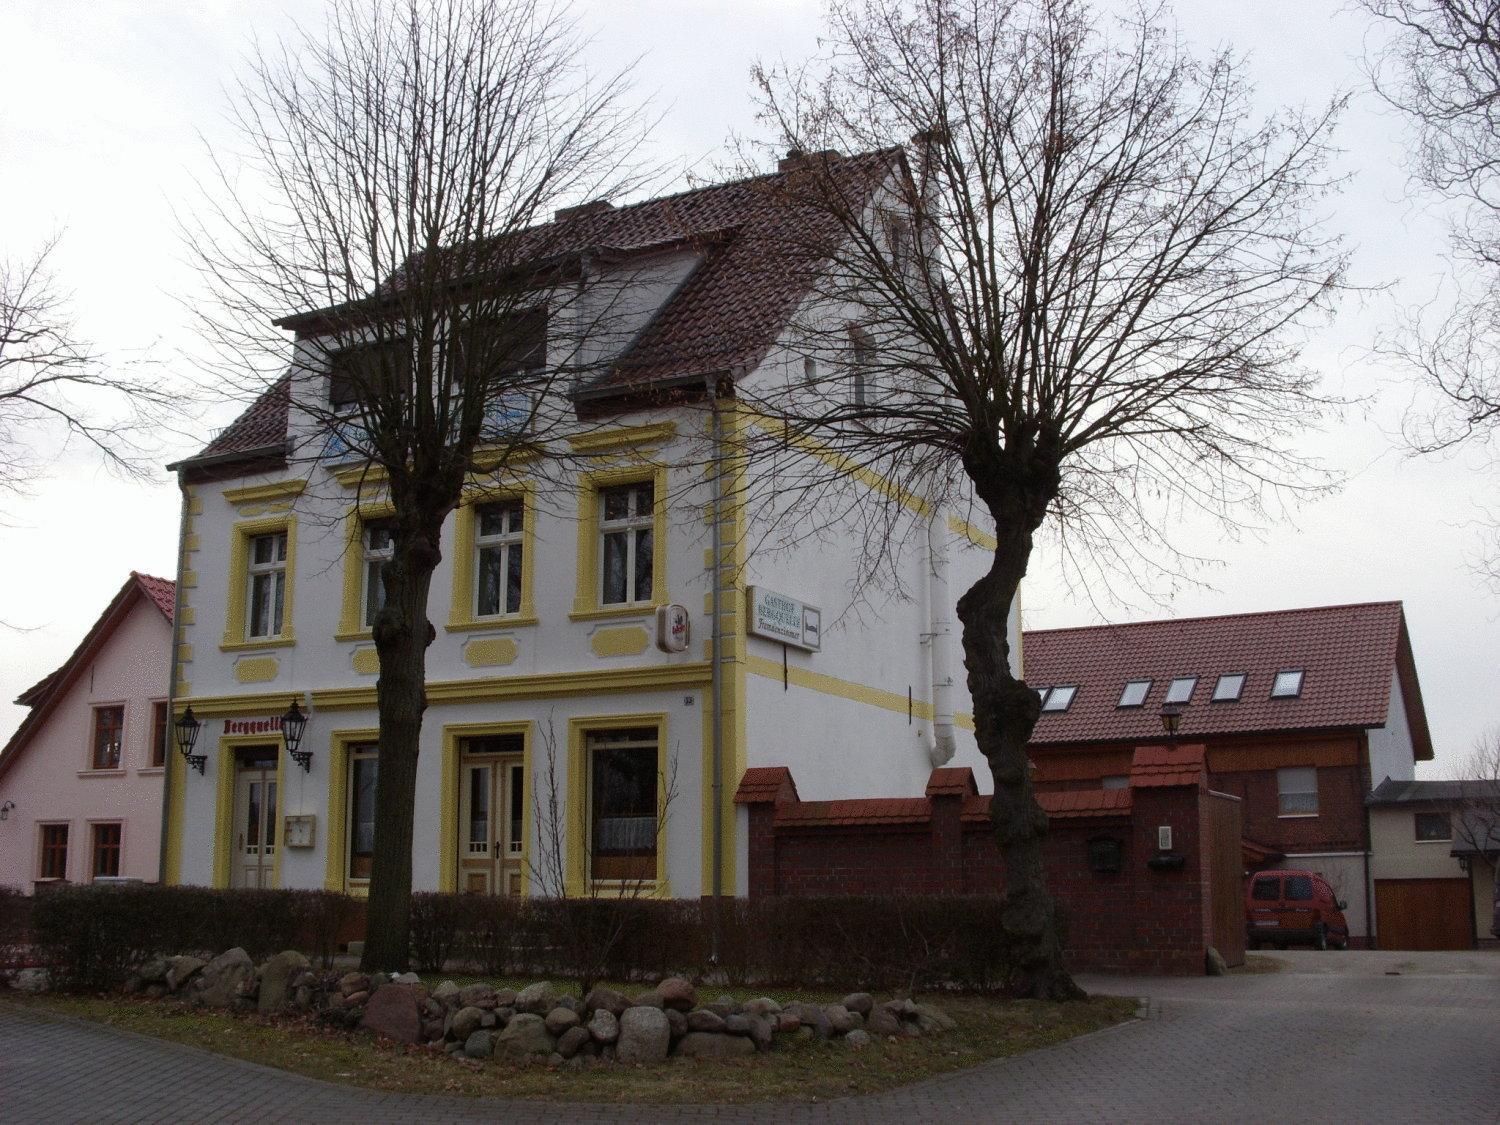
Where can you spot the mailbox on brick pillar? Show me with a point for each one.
(1166, 785)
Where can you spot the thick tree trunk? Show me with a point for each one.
(1005, 711)
(402, 634)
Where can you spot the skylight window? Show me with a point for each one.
(1229, 687)
(1134, 694)
(1288, 684)
(1180, 690)
(1060, 698)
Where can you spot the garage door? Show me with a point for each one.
(1423, 914)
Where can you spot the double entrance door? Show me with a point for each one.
(255, 805)
(492, 787)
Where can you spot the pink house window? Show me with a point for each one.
(109, 731)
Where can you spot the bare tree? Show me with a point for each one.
(51, 381)
(1441, 70)
(393, 207)
(1073, 303)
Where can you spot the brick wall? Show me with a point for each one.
(1138, 919)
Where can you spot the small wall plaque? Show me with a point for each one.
(299, 831)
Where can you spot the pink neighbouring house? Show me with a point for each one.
(81, 778)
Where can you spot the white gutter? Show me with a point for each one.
(939, 638)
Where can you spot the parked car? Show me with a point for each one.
(1285, 908)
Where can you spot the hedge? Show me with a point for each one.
(95, 937)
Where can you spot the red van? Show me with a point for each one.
(1285, 908)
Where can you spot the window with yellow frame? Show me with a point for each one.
(618, 798)
(622, 541)
(366, 548)
(494, 559)
(262, 568)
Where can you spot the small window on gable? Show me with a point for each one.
(1431, 826)
(809, 371)
(1180, 690)
(861, 356)
(1287, 685)
(1229, 687)
(1060, 698)
(1134, 694)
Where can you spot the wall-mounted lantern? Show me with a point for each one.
(293, 723)
(187, 736)
(1171, 720)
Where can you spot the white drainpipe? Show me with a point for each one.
(940, 636)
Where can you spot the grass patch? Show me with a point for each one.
(987, 1029)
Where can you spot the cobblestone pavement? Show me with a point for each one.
(1305, 1045)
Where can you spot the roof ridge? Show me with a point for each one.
(1158, 621)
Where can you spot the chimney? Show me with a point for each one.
(796, 159)
(595, 207)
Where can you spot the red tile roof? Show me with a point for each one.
(724, 317)
(42, 696)
(952, 781)
(765, 783)
(1169, 765)
(1347, 653)
(1074, 803)
(865, 811)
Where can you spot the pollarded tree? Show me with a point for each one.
(1076, 304)
(392, 205)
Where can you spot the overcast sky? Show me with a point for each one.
(103, 105)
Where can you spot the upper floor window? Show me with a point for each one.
(627, 529)
(1135, 693)
(1229, 687)
(861, 358)
(1433, 826)
(1287, 685)
(492, 347)
(379, 545)
(161, 728)
(500, 558)
(53, 861)
(1297, 791)
(1180, 690)
(267, 585)
(109, 731)
(361, 372)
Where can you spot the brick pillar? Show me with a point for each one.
(762, 790)
(946, 790)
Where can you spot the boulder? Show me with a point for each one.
(723, 1006)
(649, 999)
(645, 1035)
(432, 1032)
(479, 1044)
(394, 1012)
(738, 1024)
(861, 1002)
(762, 1031)
(763, 1006)
(882, 1021)
(538, 999)
(677, 1021)
(276, 977)
(788, 1021)
(501, 1016)
(709, 1045)
(571, 1041)
(465, 1022)
(931, 1018)
(701, 1019)
(525, 1036)
(605, 998)
(406, 978)
(1213, 963)
(218, 983)
(841, 1019)
(505, 998)
(604, 1027)
(560, 1020)
(573, 1004)
(31, 980)
(812, 1016)
(355, 999)
(679, 993)
(857, 1040)
(154, 971)
(182, 970)
(477, 996)
(350, 983)
(446, 994)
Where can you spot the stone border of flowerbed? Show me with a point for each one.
(536, 1024)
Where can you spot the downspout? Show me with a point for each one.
(166, 773)
(716, 879)
(940, 632)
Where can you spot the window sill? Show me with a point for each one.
(284, 641)
(151, 771)
(121, 772)
(354, 635)
(1296, 816)
(1446, 843)
(635, 609)
(474, 625)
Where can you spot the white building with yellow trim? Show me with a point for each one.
(547, 686)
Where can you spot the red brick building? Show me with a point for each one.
(1303, 713)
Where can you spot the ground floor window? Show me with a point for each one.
(106, 850)
(54, 852)
(364, 768)
(623, 804)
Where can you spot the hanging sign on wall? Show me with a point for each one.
(777, 617)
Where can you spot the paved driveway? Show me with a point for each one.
(1332, 1038)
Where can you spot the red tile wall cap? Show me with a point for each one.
(1070, 804)
(952, 781)
(763, 785)
(1161, 766)
(858, 811)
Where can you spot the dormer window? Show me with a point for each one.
(1229, 687)
(1060, 698)
(1288, 684)
(1180, 690)
(1134, 694)
(358, 373)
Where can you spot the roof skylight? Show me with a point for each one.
(1180, 690)
(1134, 694)
(1229, 687)
(1060, 698)
(1288, 684)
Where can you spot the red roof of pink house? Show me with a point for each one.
(1347, 654)
(42, 695)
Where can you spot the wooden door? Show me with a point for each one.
(492, 790)
(1424, 914)
(255, 805)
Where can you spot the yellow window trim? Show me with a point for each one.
(251, 703)
(257, 493)
(239, 576)
(461, 616)
(623, 436)
(352, 604)
(576, 818)
(223, 852)
(336, 830)
(586, 603)
(550, 685)
(453, 734)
